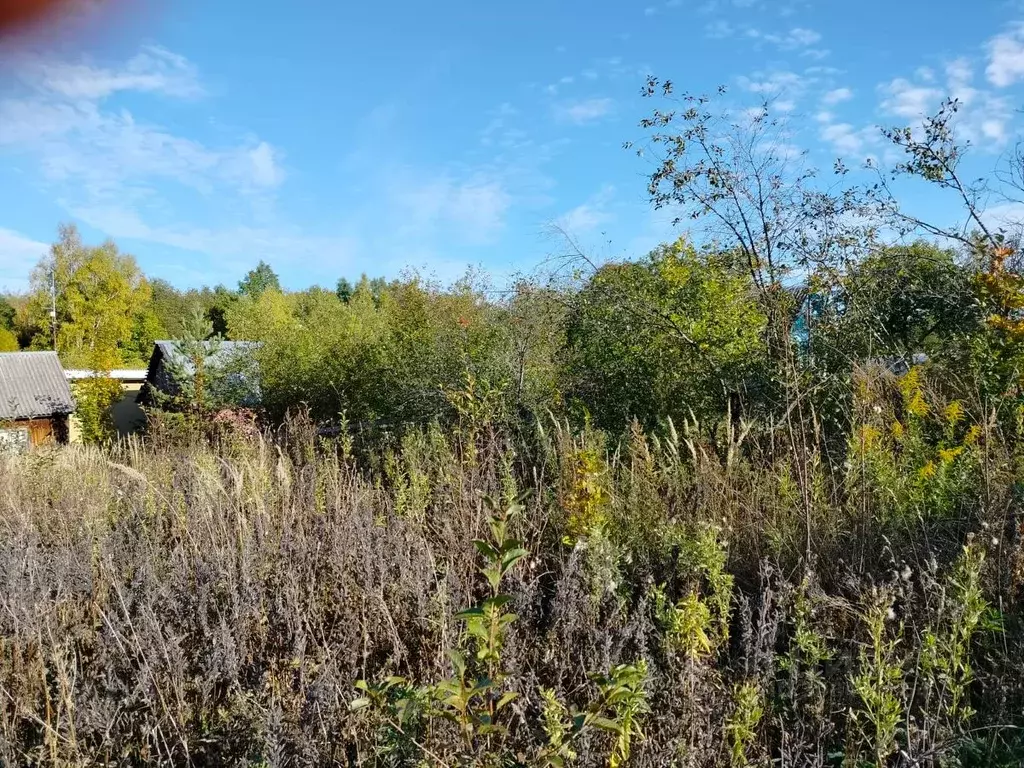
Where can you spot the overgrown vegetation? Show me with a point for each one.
(750, 500)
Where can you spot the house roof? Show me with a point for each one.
(166, 349)
(234, 359)
(118, 374)
(32, 386)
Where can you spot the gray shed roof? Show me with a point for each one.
(32, 386)
(226, 351)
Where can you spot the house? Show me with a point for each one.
(231, 368)
(35, 400)
(127, 415)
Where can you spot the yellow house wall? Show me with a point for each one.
(128, 417)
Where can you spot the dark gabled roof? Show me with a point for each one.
(235, 359)
(169, 350)
(32, 386)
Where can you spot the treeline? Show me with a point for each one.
(681, 333)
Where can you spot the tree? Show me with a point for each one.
(934, 153)
(98, 292)
(258, 280)
(255, 318)
(344, 290)
(7, 314)
(898, 301)
(739, 178)
(197, 343)
(169, 306)
(375, 287)
(678, 332)
(218, 304)
(8, 341)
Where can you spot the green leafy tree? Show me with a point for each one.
(94, 402)
(169, 306)
(344, 290)
(7, 314)
(258, 280)
(8, 341)
(737, 179)
(899, 301)
(678, 332)
(99, 294)
(196, 345)
(217, 303)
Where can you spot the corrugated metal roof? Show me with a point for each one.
(32, 386)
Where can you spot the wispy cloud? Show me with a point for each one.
(797, 37)
(783, 85)
(18, 254)
(837, 96)
(794, 39)
(474, 208)
(588, 216)
(59, 118)
(1006, 57)
(847, 140)
(131, 178)
(906, 99)
(584, 111)
(153, 70)
(982, 115)
(720, 29)
(239, 243)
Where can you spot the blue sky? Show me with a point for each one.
(337, 138)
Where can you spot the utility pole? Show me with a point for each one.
(53, 301)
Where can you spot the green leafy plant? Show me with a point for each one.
(475, 697)
(741, 726)
(879, 683)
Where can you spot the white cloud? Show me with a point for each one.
(982, 115)
(585, 111)
(775, 83)
(959, 72)
(59, 118)
(265, 170)
(581, 219)
(474, 208)
(719, 30)
(845, 139)
(588, 216)
(153, 70)
(837, 96)
(816, 53)
(1006, 57)
(18, 254)
(1006, 216)
(794, 39)
(798, 37)
(127, 177)
(236, 244)
(784, 89)
(903, 98)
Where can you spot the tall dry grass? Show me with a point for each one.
(207, 605)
